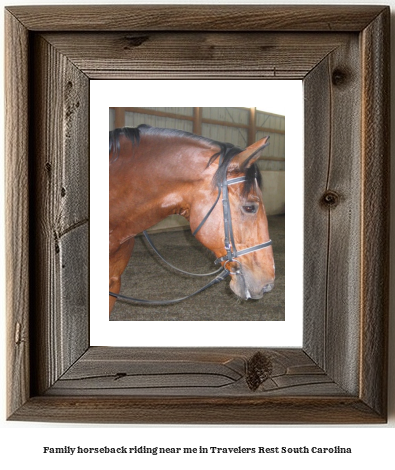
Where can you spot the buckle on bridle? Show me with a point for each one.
(238, 269)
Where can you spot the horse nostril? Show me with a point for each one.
(268, 288)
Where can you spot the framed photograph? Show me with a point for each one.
(184, 263)
(146, 275)
(339, 374)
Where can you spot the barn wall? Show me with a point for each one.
(135, 119)
(112, 119)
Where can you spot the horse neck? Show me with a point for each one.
(180, 184)
(171, 187)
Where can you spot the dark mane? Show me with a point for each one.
(226, 151)
(133, 134)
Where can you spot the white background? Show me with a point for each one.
(21, 444)
(280, 97)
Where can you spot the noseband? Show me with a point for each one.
(229, 243)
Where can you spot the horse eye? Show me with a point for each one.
(250, 209)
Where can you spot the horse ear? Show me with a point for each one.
(251, 154)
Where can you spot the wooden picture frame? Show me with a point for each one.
(339, 375)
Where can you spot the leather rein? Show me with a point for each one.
(229, 243)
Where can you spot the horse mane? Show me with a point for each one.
(133, 134)
(225, 154)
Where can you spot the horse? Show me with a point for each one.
(154, 173)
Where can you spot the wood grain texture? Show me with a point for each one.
(198, 410)
(339, 375)
(192, 17)
(17, 213)
(60, 184)
(376, 207)
(317, 152)
(149, 55)
(192, 372)
(332, 214)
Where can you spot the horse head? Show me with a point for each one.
(238, 232)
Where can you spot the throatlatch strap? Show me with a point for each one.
(208, 213)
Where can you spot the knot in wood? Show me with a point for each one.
(330, 199)
(259, 369)
(135, 41)
(339, 77)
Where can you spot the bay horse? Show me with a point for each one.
(157, 172)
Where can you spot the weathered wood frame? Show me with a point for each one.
(339, 376)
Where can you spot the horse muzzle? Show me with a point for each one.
(259, 295)
(247, 288)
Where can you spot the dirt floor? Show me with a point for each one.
(147, 277)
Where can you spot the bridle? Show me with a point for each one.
(229, 241)
(229, 244)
